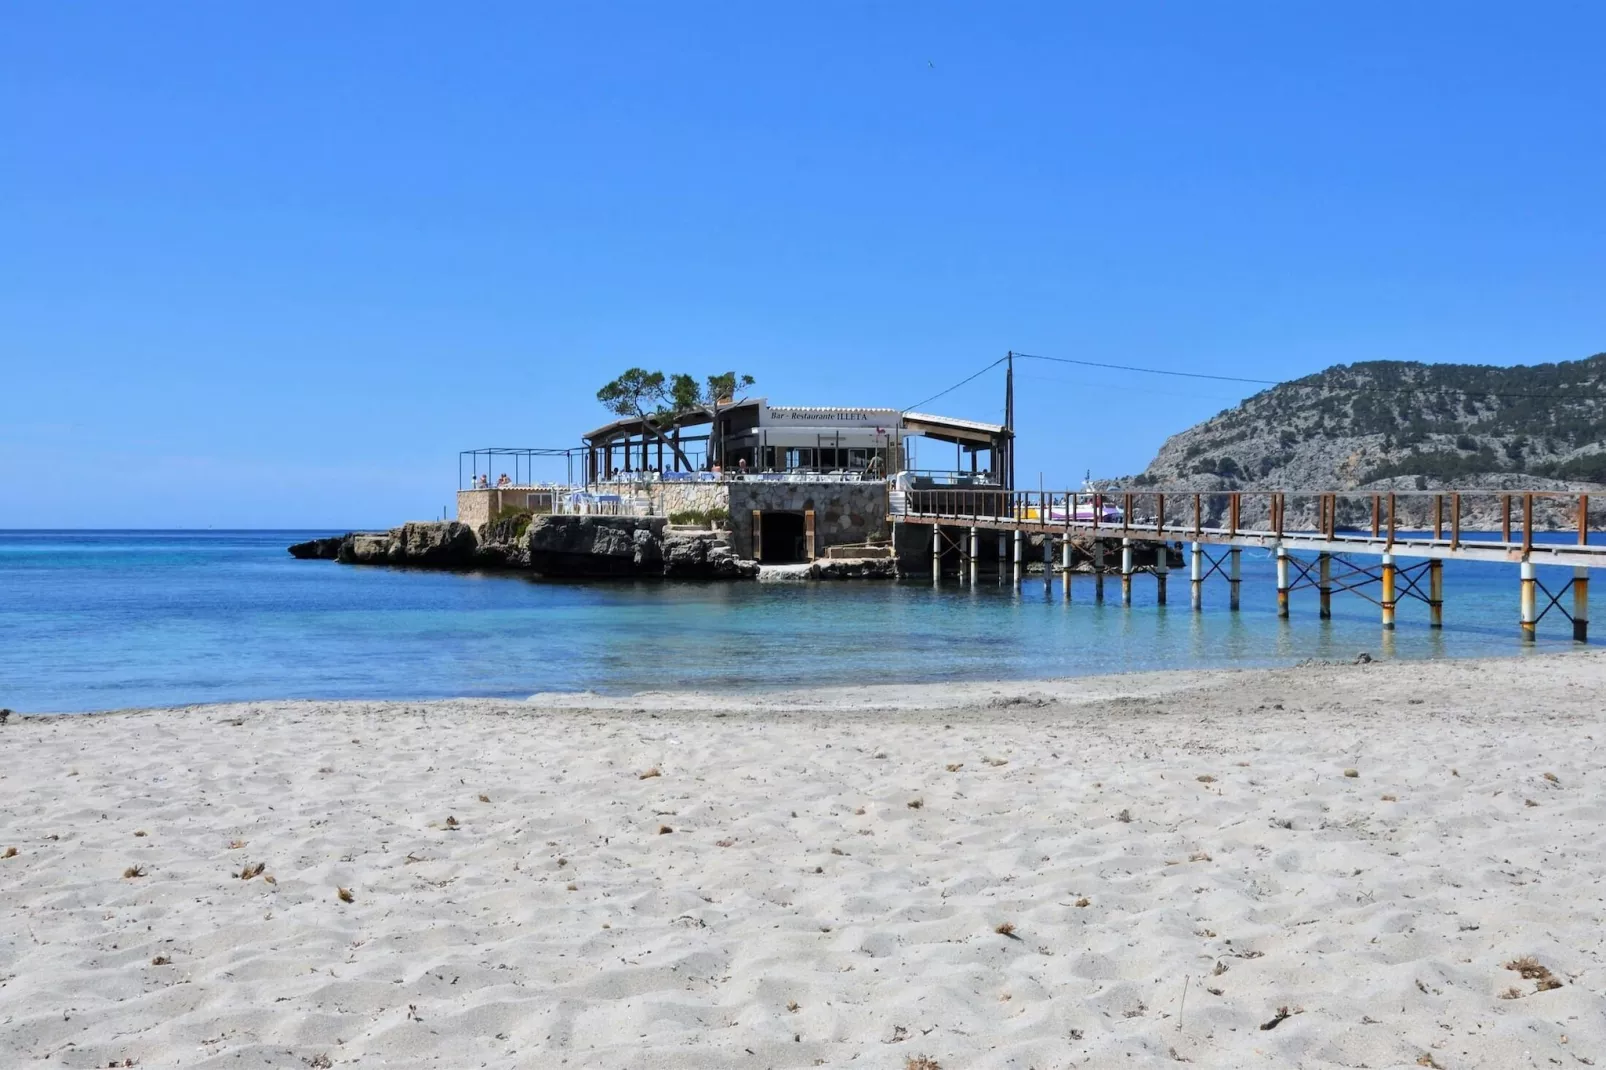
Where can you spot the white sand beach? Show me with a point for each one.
(1118, 872)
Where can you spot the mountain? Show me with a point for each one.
(1354, 425)
(1402, 425)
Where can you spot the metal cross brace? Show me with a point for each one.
(1555, 601)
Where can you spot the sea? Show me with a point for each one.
(97, 620)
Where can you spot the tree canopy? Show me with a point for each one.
(655, 399)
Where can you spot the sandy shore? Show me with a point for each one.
(1120, 872)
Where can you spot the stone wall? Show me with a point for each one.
(843, 512)
(672, 497)
(475, 508)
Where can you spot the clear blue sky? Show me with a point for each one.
(274, 264)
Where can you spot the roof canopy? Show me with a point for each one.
(952, 429)
(631, 425)
(942, 428)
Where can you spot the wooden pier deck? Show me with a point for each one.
(1316, 551)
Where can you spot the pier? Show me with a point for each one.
(1332, 542)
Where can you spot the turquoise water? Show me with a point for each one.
(107, 619)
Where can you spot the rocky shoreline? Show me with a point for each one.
(569, 547)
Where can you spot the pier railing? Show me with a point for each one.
(1498, 524)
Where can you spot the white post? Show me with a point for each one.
(1196, 574)
(1065, 565)
(975, 544)
(1282, 581)
(936, 553)
(1530, 601)
(1162, 570)
(1387, 597)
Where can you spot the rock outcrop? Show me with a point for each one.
(318, 549)
(423, 544)
(559, 546)
(596, 545)
(855, 568)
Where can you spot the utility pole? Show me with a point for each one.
(1009, 422)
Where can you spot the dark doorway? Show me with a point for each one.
(781, 537)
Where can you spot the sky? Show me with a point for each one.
(274, 265)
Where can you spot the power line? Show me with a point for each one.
(1356, 387)
(1151, 391)
(956, 386)
(1151, 371)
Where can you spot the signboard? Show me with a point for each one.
(782, 416)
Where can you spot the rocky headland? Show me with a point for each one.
(559, 546)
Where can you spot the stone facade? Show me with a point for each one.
(475, 508)
(843, 512)
(674, 496)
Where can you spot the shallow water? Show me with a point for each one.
(107, 619)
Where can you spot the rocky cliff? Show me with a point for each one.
(1403, 426)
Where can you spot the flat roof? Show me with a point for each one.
(945, 428)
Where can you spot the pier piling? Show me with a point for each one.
(1386, 600)
(1435, 593)
(1324, 585)
(1126, 572)
(1530, 600)
(1065, 565)
(1581, 604)
(1282, 581)
(1304, 556)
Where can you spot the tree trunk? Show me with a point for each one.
(663, 439)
